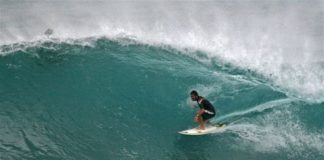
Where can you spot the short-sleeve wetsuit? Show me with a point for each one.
(208, 107)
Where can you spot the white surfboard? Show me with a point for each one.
(208, 129)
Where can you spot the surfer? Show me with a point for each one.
(205, 112)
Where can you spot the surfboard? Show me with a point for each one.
(208, 130)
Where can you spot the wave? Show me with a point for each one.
(302, 81)
(280, 41)
(104, 92)
(79, 83)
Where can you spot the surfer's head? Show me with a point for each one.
(194, 95)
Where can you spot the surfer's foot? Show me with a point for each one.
(220, 124)
(201, 128)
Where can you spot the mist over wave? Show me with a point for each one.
(282, 40)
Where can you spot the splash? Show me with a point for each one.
(280, 40)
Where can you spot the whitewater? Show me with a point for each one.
(111, 80)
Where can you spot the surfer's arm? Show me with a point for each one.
(200, 112)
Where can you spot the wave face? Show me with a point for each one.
(101, 87)
(121, 100)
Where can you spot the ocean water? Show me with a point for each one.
(113, 79)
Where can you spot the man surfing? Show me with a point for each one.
(206, 111)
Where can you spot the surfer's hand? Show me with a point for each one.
(196, 118)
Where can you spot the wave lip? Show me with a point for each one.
(304, 81)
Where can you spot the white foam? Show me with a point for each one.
(279, 131)
(258, 108)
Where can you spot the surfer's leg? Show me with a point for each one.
(206, 118)
(201, 123)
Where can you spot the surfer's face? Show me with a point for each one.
(194, 97)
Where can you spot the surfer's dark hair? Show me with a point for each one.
(194, 93)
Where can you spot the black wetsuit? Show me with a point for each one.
(206, 105)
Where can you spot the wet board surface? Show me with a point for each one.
(208, 129)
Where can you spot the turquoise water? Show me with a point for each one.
(117, 101)
(99, 80)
